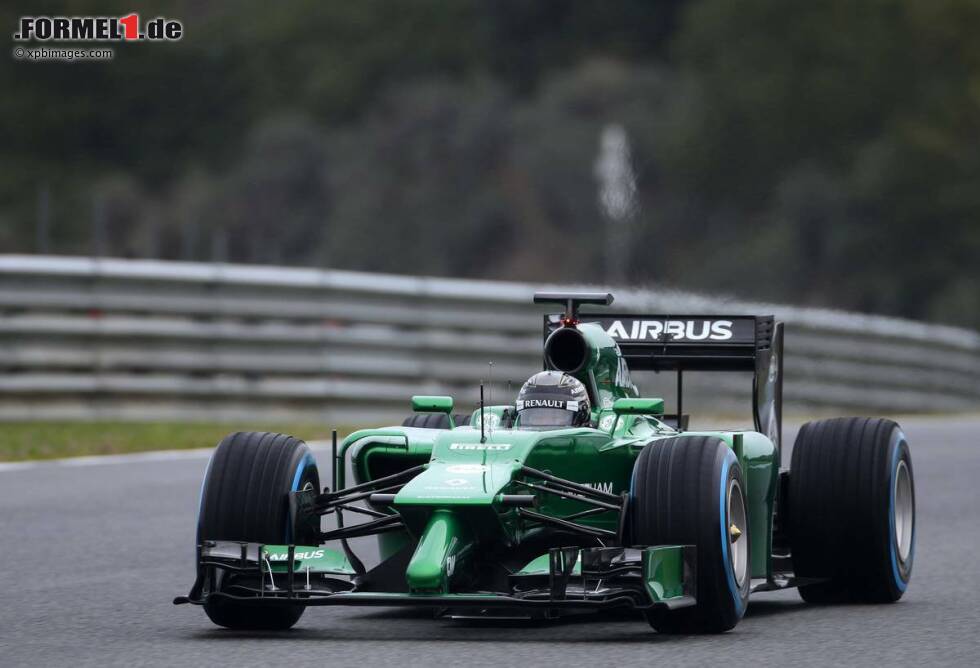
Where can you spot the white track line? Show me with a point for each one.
(133, 458)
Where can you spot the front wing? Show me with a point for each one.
(573, 578)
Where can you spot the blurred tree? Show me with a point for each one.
(417, 187)
(878, 103)
(816, 152)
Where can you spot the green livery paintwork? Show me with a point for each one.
(319, 560)
(663, 572)
(432, 404)
(467, 479)
(540, 566)
(446, 540)
(489, 514)
(638, 406)
(453, 505)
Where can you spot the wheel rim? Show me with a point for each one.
(904, 510)
(738, 533)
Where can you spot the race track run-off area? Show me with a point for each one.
(94, 552)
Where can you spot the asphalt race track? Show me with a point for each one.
(93, 554)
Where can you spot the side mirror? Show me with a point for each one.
(435, 404)
(638, 406)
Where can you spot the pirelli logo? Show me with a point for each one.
(480, 446)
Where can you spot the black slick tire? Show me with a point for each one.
(427, 421)
(245, 498)
(680, 496)
(852, 510)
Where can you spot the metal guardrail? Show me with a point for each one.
(124, 339)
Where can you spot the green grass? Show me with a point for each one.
(51, 440)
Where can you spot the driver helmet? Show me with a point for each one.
(553, 399)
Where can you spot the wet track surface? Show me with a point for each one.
(93, 555)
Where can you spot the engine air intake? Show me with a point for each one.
(566, 350)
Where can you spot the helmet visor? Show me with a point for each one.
(546, 417)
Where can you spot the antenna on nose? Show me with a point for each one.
(490, 383)
(483, 436)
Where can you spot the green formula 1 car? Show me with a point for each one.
(581, 495)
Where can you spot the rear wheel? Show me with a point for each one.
(245, 498)
(852, 510)
(428, 421)
(689, 490)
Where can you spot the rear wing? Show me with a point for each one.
(703, 343)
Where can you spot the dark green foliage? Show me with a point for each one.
(821, 153)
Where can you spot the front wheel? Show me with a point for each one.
(246, 498)
(689, 490)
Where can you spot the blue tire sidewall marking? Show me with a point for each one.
(304, 463)
(307, 460)
(723, 520)
(892, 536)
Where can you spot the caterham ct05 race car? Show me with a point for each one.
(580, 495)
